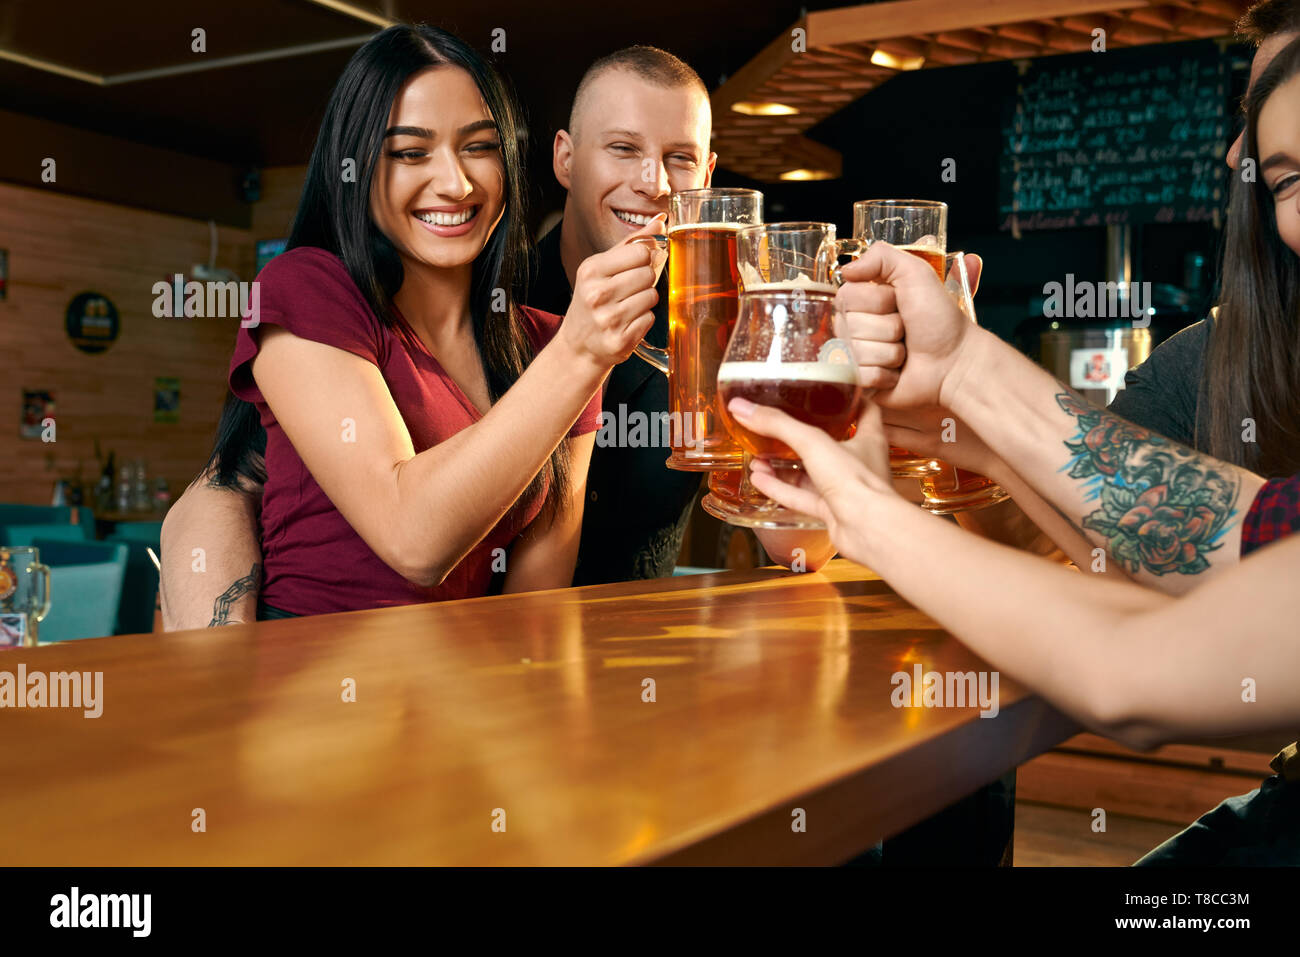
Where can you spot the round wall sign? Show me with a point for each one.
(92, 322)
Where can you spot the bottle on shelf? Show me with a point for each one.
(104, 488)
(140, 498)
(122, 502)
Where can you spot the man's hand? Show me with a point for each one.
(896, 309)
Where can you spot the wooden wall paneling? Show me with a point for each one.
(59, 246)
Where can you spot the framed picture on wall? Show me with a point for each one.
(4, 272)
(166, 399)
(38, 405)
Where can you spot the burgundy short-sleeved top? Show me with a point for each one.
(313, 561)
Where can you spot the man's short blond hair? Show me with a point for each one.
(649, 63)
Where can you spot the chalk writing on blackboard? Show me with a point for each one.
(1124, 137)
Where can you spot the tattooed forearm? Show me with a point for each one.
(1163, 506)
(241, 587)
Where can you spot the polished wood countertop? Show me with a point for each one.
(513, 730)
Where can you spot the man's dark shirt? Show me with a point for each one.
(1164, 394)
(637, 507)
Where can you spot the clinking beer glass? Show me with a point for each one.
(947, 488)
(784, 351)
(791, 257)
(916, 226)
(703, 301)
(24, 596)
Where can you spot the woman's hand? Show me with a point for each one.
(613, 295)
(841, 482)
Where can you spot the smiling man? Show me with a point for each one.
(638, 131)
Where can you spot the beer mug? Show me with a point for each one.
(786, 255)
(785, 352)
(733, 499)
(703, 290)
(916, 226)
(24, 596)
(947, 488)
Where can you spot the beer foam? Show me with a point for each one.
(802, 282)
(842, 373)
(734, 227)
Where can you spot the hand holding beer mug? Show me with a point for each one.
(703, 290)
(24, 596)
(918, 227)
(613, 299)
(784, 351)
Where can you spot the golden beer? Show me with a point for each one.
(703, 302)
(950, 489)
(933, 256)
(793, 322)
(947, 488)
(703, 283)
(901, 461)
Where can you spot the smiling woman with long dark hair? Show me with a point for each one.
(423, 430)
(1252, 362)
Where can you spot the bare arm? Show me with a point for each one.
(1030, 523)
(547, 552)
(1025, 521)
(808, 549)
(211, 558)
(421, 514)
(1134, 664)
(1167, 514)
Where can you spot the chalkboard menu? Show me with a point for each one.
(1123, 137)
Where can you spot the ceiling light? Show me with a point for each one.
(51, 67)
(894, 62)
(352, 10)
(807, 174)
(763, 109)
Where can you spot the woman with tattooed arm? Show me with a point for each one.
(1134, 663)
(1143, 665)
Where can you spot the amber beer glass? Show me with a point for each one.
(789, 262)
(784, 353)
(703, 300)
(917, 226)
(947, 488)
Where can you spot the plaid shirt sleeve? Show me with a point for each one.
(1274, 514)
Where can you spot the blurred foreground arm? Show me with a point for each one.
(211, 557)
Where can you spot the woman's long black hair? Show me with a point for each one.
(1252, 365)
(334, 214)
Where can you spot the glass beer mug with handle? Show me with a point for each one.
(916, 226)
(792, 257)
(24, 596)
(703, 301)
(947, 488)
(784, 351)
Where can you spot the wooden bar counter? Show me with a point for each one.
(513, 730)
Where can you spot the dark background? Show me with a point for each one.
(184, 144)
